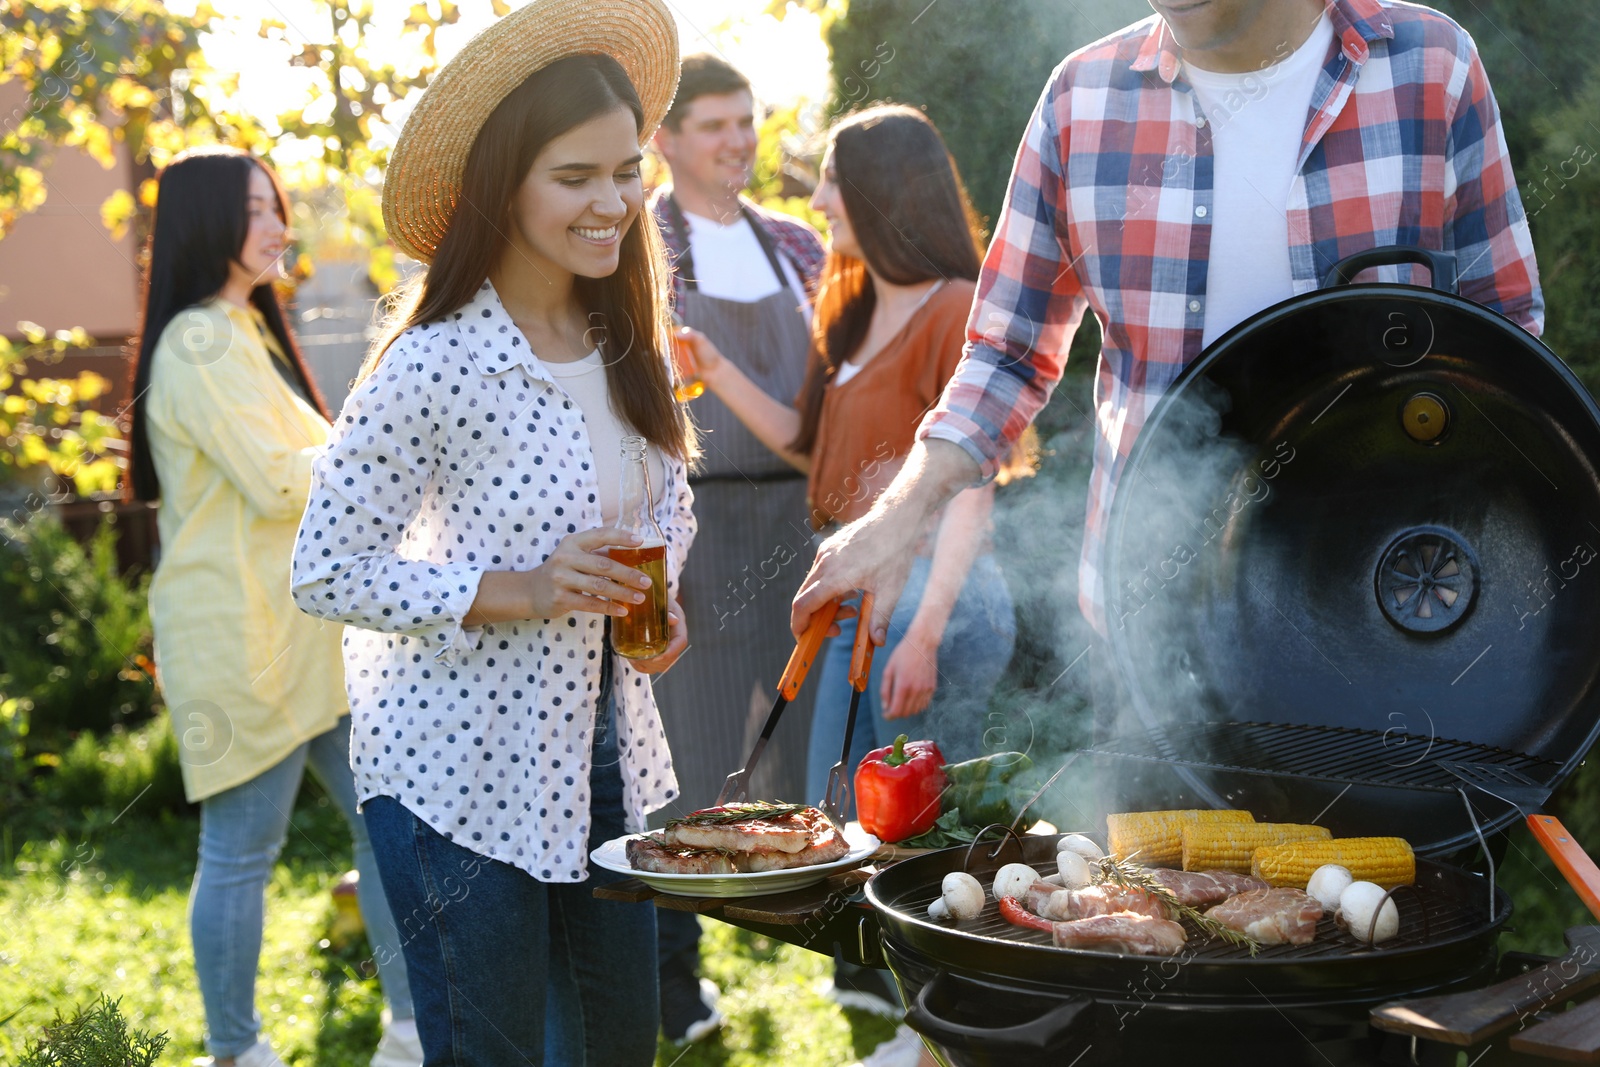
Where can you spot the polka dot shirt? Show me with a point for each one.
(461, 454)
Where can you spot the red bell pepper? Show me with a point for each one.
(898, 789)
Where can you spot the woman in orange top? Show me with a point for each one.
(889, 327)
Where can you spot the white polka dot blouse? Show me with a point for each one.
(461, 454)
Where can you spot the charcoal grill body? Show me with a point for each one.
(984, 991)
(1371, 508)
(1354, 539)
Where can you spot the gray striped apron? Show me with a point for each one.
(748, 558)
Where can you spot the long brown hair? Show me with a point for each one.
(914, 222)
(911, 216)
(199, 227)
(553, 100)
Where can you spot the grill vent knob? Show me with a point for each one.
(1425, 418)
(1427, 580)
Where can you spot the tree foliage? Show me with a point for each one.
(99, 72)
(340, 186)
(1545, 71)
(976, 69)
(93, 75)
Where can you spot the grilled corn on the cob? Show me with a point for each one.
(1230, 846)
(1386, 860)
(1155, 838)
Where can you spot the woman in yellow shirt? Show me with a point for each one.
(226, 421)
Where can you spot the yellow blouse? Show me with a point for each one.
(246, 675)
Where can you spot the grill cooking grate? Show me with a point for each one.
(1446, 918)
(1339, 754)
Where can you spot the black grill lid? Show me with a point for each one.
(1376, 508)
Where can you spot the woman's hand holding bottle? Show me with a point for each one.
(577, 577)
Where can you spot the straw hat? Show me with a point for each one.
(423, 181)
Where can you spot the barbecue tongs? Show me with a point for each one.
(737, 787)
(837, 794)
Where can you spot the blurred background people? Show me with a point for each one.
(742, 276)
(891, 313)
(225, 424)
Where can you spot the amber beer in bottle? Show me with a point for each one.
(642, 633)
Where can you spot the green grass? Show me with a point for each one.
(81, 915)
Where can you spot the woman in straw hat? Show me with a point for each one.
(458, 521)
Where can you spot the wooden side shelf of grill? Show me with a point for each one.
(1573, 1036)
(1468, 1018)
(795, 908)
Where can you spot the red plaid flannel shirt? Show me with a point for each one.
(1109, 208)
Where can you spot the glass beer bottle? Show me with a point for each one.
(642, 633)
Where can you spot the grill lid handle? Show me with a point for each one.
(1441, 265)
(1047, 1031)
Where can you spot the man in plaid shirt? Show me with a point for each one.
(1172, 180)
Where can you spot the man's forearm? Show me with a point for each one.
(933, 473)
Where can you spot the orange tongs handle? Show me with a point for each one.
(861, 655)
(806, 649)
(1570, 858)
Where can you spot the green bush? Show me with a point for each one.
(75, 635)
(107, 772)
(976, 69)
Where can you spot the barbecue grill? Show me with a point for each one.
(1341, 588)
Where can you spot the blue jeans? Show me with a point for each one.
(241, 832)
(511, 970)
(973, 653)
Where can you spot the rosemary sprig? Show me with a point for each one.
(731, 813)
(1129, 874)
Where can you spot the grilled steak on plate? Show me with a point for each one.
(740, 839)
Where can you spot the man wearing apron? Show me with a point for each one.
(742, 276)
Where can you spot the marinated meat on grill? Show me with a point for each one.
(1137, 935)
(1051, 902)
(1271, 916)
(1123, 931)
(792, 832)
(1201, 889)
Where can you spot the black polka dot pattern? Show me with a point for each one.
(461, 454)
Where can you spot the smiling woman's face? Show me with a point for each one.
(261, 258)
(827, 199)
(579, 198)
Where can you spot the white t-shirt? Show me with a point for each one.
(585, 382)
(730, 265)
(1257, 122)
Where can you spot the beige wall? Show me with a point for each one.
(59, 266)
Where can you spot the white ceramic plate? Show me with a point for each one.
(613, 856)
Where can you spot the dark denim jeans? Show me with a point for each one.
(506, 969)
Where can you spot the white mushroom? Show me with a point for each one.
(1357, 905)
(1083, 846)
(1013, 880)
(961, 897)
(1075, 870)
(1327, 883)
